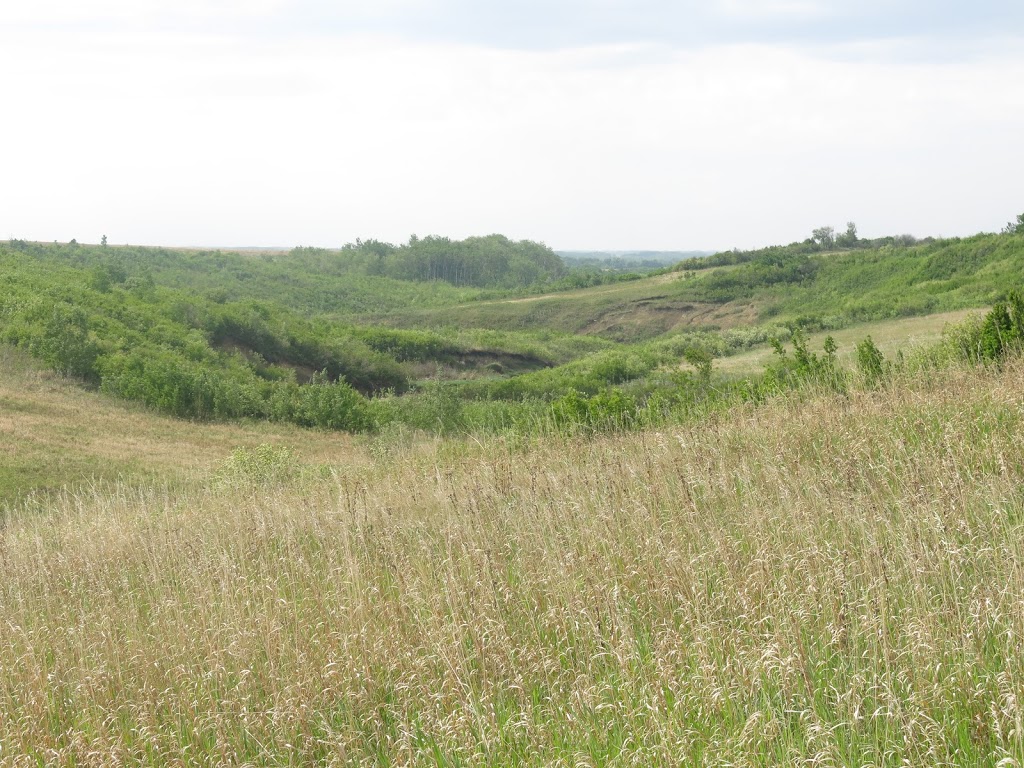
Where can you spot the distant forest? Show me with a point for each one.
(493, 261)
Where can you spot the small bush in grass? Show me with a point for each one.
(988, 339)
(804, 366)
(606, 411)
(264, 464)
(871, 362)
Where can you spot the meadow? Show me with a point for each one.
(54, 434)
(828, 579)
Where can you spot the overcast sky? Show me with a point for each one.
(586, 124)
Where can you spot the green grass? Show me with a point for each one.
(623, 312)
(696, 571)
(185, 348)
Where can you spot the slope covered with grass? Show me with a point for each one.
(819, 290)
(820, 578)
(99, 316)
(54, 435)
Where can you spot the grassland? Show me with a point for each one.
(54, 434)
(375, 337)
(892, 337)
(628, 311)
(819, 579)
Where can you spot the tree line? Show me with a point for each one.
(493, 261)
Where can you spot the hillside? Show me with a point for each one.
(54, 434)
(157, 328)
(819, 577)
(374, 337)
(818, 289)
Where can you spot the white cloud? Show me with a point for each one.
(207, 137)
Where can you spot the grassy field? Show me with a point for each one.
(53, 433)
(833, 289)
(890, 336)
(826, 580)
(327, 339)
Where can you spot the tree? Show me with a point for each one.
(849, 238)
(103, 241)
(824, 236)
(1015, 227)
(99, 279)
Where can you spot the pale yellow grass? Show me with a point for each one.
(825, 581)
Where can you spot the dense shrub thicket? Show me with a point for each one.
(187, 355)
(99, 315)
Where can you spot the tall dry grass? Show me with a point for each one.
(826, 581)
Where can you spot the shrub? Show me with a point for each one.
(870, 362)
(65, 344)
(992, 337)
(329, 405)
(611, 410)
(260, 465)
(804, 367)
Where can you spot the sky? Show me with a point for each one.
(597, 124)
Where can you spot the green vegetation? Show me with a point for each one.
(534, 548)
(106, 317)
(493, 261)
(55, 434)
(186, 355)
(783, 285)
(316, 338)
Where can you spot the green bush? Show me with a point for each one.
(991, 338)
(322, 403)
(261, 465)
(64, 342)
(871, 362)
(612, 410)
(803, 367)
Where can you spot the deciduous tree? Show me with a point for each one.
(824, 236)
